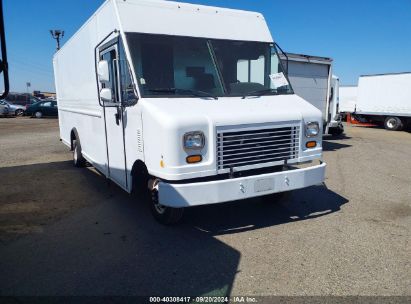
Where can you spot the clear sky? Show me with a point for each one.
(362, 36)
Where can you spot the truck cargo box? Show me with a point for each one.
(385, 94)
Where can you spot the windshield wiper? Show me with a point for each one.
(260, 92)
(176, 90)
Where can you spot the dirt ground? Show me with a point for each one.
(76, 235)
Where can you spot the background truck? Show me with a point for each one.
(311, 78)
(185, 103)
(348, 99)
(385, 98)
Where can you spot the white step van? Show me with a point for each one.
(312, 79)
(188, 102)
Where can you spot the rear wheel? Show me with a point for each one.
(163, 214)
(393, 123)
(38, 114)
(78, 159)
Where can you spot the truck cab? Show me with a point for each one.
(190, 104)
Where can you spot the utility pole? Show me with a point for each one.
(57, 34)
(3, 60)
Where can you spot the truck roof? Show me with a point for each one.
(183, 19)
(385, 74)
(308, 58)
(191, 20)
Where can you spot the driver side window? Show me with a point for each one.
(120, 80)
(128, 97)
(110, 56)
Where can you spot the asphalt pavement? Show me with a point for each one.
(66, 231)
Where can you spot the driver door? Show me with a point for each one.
(113, 118)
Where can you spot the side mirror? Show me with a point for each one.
(103, 71)
(106, 95)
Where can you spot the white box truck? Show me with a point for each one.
(385, 98)
(312, 79)
(189, 103)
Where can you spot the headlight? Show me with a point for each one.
(194, 140)
(312, 129)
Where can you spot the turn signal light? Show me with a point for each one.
(311, 144)
(194, 159)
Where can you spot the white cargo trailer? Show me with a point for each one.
(187, 102)
(385, 98)
(312, 79)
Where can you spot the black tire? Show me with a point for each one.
(164, 215)
(78, 159)
(19, 112)
(393, 123)
(140, 181)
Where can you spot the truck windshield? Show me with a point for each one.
(175, 66)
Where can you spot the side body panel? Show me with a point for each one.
(77, 94)
(388, 94)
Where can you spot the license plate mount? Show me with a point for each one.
(263, 185)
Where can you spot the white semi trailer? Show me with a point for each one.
(312, 79)
(187, 102)
(385, 98)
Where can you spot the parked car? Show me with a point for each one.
(16, 110)
(21, 99)
(4, 109)
(42, 108)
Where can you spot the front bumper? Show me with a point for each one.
(211, 192)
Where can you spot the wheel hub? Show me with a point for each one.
(153, 186)
(391, 123)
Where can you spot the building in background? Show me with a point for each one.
(43, 95)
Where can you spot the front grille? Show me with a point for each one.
(259, 146)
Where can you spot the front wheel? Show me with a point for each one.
(393, 123)
(336, 131)
(163, 214)
(19, 112)
(78, 159)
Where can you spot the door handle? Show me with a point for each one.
(118, 116)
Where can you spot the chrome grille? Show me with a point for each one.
(259, 146)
